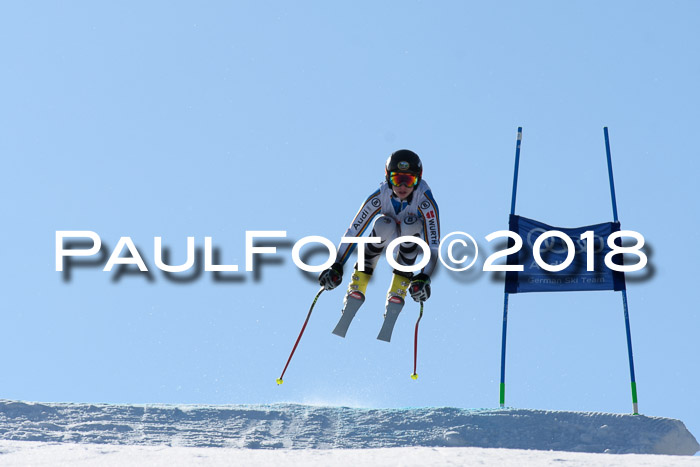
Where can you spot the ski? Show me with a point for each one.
(353, 302)
(394, 303)
(393, 307)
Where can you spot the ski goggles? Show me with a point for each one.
(400, 178)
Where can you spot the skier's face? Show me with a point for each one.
(402, 191)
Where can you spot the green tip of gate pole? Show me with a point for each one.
(414, 376)
(635, 405)
(279, 381)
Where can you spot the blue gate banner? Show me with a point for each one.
(554, 251)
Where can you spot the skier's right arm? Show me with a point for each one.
(333, 276)
(363, 219)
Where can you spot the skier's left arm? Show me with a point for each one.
(431, 229)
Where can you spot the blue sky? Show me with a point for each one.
(178, 119)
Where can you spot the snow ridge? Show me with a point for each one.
(295, 426)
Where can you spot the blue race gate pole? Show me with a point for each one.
(635, 405)
(610, 174)
(515, 171)
(505, 298)
(503, 350)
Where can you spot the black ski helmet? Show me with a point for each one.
(404, 161)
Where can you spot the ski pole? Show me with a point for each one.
(415, 344)
(279, 380)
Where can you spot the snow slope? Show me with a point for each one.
(17, 453)
(293, 426)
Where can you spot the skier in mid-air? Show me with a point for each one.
(403, 206)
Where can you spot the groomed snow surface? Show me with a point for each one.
(104, 434)
(79, 455)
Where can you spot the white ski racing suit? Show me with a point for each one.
(417, 215)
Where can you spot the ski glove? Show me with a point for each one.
(420, 287)
(331, 277)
